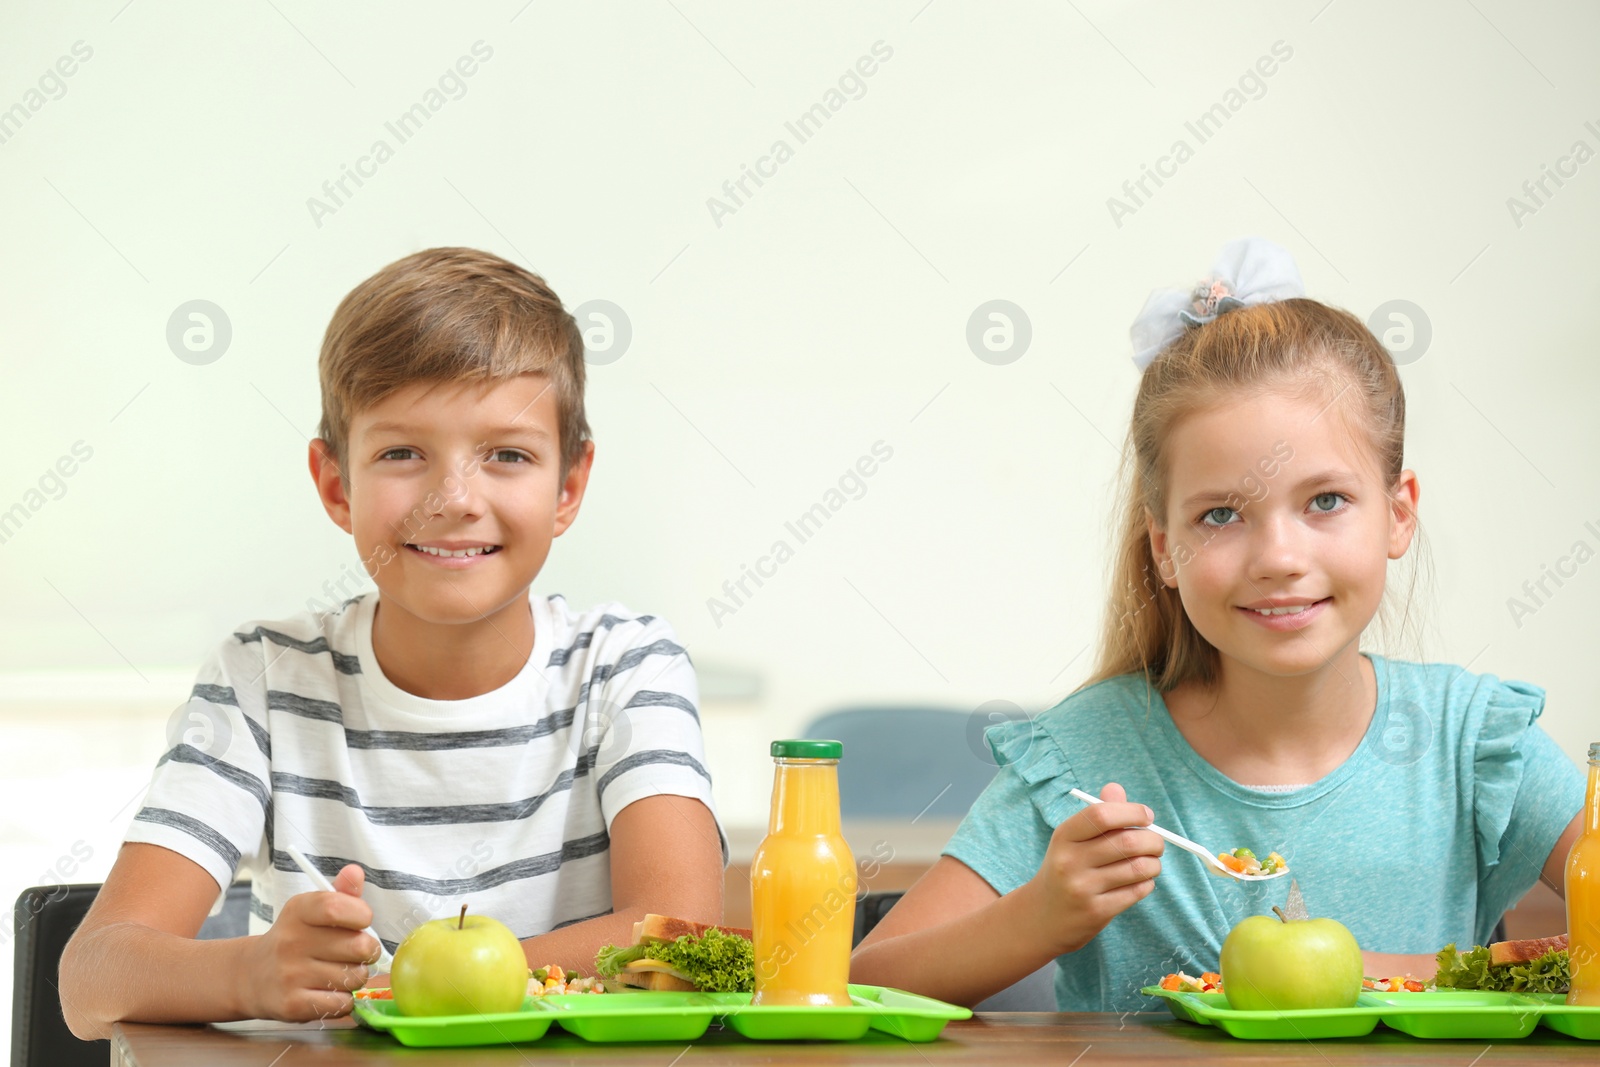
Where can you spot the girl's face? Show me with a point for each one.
(1275, 502)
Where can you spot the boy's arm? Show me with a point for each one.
(666, 858)
(135, 950)
(135, 957)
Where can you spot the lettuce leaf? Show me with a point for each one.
(1471, 970)
(611, 959)
(716, 962)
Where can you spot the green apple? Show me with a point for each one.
(1284, 964)
(463, 966)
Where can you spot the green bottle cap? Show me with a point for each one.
(807, 749)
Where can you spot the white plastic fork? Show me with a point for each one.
(320, 880)
(1214, 865)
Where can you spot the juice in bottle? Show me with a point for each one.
(803, 882)
(1583, 895)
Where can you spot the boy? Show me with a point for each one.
(448, 740)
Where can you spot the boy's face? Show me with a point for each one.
(1274, 501)
(440, 468)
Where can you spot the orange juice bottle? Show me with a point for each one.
(1583, 895)
(803, 882)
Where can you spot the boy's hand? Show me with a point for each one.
(316, 953)
(1097, 867)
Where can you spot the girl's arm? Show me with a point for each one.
(1423, 967)
(1555, 868)
(952, 936)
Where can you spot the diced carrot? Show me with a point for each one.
(1212, 977)
(1413, 986)
(1170, 982)
(1233, 863)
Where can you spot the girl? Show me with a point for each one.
(1263, 498)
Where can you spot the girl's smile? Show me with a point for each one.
(1288, 614)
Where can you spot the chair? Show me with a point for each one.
(905, 762)
(1036, 992)
(45, 918)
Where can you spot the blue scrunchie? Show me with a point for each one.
(1248, 271)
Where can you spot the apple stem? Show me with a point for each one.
(461, 924)
(1275, 908)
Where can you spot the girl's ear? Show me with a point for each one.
(1403, 513)
(1160, 550)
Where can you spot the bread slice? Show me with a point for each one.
(665, 928)
(1505, 952)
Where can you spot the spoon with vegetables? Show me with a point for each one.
(1241, 863)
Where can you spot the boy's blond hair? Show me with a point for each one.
(449, 315)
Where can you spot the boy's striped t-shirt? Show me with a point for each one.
(504, 801)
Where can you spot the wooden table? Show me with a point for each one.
(1016, 1040)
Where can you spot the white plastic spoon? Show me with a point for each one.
(1213, 864)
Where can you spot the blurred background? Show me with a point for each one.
(795, 237)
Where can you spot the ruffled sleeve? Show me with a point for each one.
(1027, 747)
(1525, 794)
(1499, 762)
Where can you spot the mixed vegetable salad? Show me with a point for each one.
(552, 981)
(1211, 982)
(1243, 861)
(545, 982)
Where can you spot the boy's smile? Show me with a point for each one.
(454, 493)
(456, 554)
(1279, 530)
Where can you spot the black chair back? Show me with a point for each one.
(44, 920)
(869, 910)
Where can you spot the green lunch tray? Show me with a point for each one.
(437, 1031)
(1460, 1014)
(652, 1016)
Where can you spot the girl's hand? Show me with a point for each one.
(316, 953)
(1096, 868)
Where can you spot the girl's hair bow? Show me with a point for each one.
(1248, 271)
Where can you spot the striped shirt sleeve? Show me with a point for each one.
(209, 799)
(643, 726)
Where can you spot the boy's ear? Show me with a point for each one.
(1403, 513)
(1160, 551)
(330, 483)
(572, 489)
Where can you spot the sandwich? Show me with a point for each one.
(1506, 953)
(1535, 965)
(676, 954)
